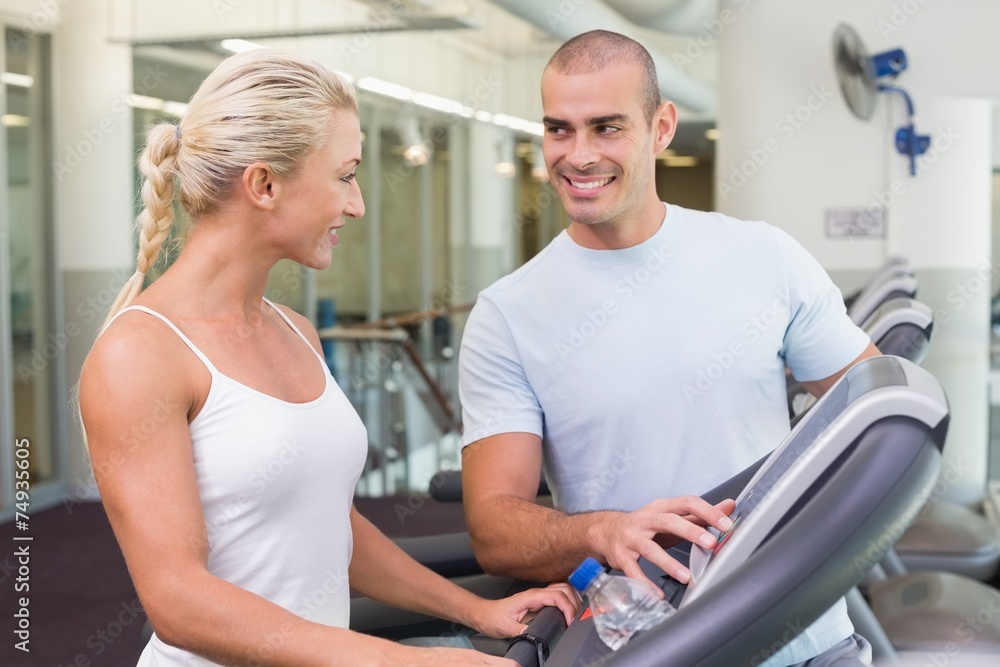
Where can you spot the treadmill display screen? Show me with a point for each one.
(849, 389)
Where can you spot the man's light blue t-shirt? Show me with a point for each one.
(657, 370)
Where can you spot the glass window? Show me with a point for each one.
(36, 347)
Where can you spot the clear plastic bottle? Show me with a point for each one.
(621, 606)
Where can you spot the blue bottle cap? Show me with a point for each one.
(585, 573)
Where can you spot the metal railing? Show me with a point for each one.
(402, 377)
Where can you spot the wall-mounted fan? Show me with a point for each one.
(861, 77)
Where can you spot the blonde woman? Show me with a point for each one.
(233, 507)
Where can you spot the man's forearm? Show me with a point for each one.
(518, 538)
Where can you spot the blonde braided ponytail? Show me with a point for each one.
(158, 167)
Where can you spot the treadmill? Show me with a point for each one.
(811, 520)
(900, 283)
(894, 266)
(900, 327)
(945, 536)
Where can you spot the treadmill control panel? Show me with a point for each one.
(796, 450)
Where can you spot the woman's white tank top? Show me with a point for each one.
(276, 481)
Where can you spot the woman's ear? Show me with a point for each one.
(259, 185)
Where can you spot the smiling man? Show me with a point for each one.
(584, 359)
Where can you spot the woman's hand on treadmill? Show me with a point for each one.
(622, 538)
(505, 617)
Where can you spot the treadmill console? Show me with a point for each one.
(803, 459)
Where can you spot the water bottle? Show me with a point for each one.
(621, 606)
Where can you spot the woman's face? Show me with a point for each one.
(324, 193)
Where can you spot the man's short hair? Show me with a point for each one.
(595, 50)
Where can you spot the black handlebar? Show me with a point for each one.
(531, 649)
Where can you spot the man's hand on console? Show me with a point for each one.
(622, 538)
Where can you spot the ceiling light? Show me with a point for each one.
(20, 80)
(386, 88)
(529, 126)
(174, 108)
(416, 155)
(169, 107)
(712, 134)
(505, 166)
(239, 45)
(416, 152)
(515, 123)
(145, 102)
(442, 104)
(680, 161)
(446, 105)
(14, 120)
(538, 169)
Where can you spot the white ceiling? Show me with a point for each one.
(502, 32)
(495, 30)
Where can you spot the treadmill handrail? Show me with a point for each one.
(541, 635)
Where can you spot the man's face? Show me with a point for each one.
(599, 148)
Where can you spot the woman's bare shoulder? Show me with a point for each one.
(137, 361)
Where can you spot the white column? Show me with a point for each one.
(92, 172)
(93, 140)
(790, 149)
(491, 228)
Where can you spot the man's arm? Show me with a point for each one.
(514, 536)
(819, 387)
